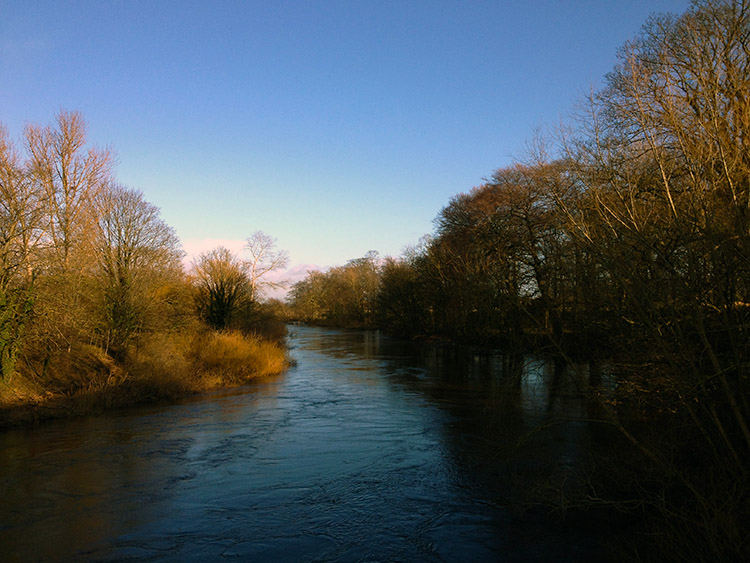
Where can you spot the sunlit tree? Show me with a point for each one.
(663, 174)
(222, 286)
(70, 175)
(137, 251)
(20, 228)
(342, 296)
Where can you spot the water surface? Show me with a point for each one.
(369, 449)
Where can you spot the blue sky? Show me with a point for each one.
(337, 127)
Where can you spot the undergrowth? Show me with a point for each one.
(165, 367)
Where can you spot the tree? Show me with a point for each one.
(673, 196)
(19, 230)
(342, 296)
(400, 300)
(67, 176)
(136, 250)
(495, 264)
(307, 297)
(663, 173)
(222, 286)
(355, 289)
(264, 259)
(70, 177)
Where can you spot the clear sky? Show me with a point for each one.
(337, 127)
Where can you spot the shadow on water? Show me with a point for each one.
(519, 431)
(370, 449)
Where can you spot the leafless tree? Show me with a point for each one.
(135, 248)
(265, 258)
(70, 176)
(222, 286)
(663, 207)
(19, 230)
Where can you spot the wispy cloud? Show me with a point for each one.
(194, 247)
(297, 272)
(288, 277)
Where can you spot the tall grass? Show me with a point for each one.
(232, 357)
(164, 367)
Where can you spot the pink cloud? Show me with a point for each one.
(194, 247)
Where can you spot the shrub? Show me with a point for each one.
(234, 357)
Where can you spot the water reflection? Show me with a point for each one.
(369, 449)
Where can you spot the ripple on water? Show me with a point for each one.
(362, 452)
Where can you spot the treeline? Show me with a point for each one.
(93, 293)
(343, 296)
(627, 237)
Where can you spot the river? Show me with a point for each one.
(368, 449)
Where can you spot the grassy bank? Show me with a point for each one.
(88, 380)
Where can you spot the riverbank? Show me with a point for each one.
(87, 380)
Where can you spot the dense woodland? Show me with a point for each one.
(625, 238)
(96, 306)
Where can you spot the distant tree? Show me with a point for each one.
(222, 286)
(400, 306)
(342, 296)
(356, 289)
(307, 298)
(264, 259)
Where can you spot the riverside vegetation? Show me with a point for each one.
(623, 241)
(96, 308)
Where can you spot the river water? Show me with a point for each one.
(369, 449)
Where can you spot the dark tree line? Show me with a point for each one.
(632, 243)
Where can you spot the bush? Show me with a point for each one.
(234, 357)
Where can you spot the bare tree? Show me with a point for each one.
(135, 248)
(222, 286)
(677, 194)
(19, 229)
(70, 177)
(664, 210)
(264, 259)
(20, 216)
(67, 176)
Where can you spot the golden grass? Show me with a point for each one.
(164, 368)
(234, 357)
